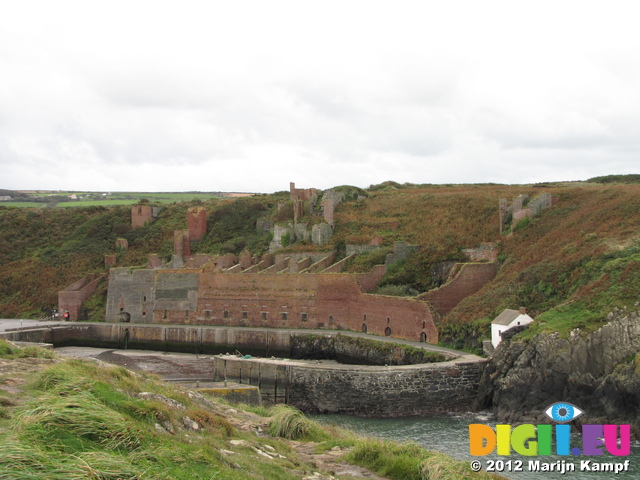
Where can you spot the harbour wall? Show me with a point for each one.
(313, 386)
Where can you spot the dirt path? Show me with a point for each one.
(331, 463)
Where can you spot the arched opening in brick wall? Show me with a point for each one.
(387, 332)
(330, 319)
(124, 317)
(364, 328)
(423, 337)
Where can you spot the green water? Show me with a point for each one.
(450, 435)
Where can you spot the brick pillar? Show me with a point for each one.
(141, 215)
(181, 245)
(327, 210)
(197, 223)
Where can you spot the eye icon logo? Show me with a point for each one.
(563, 412)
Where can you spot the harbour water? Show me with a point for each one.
(450, 435)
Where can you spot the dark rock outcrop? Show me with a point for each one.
(599, 372)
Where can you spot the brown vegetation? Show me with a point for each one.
(581, 253)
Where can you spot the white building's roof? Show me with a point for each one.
(506, 317)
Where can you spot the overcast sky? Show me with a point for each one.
(250, 95)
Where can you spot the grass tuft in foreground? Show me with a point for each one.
(289, 422)
(409, 461)
(10, 351)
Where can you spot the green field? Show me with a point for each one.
(21, 204)
(87, 199)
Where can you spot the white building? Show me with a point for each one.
(506, 320)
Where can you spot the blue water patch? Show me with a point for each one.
(450, 435)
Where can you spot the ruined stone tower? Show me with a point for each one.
(141, 215)
(197, 223)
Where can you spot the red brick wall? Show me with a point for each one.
(369, 281)
(181, 245)
(110, 261)
(226, 261)
(322, 264)
(329, 301)
(339, 266)
(140, 215)
(302, 194)
(471, 278)
(154, 260)
(71, 298)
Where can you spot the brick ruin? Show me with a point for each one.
(464, 280)
(329, 199)
(181, 244)
(521, 207)
(196, 223)
(282, 291)
(207, 296)
(303, 290)
(486, 252)
(305, 200)
(298, 197)
(143, 214)
(71, 298)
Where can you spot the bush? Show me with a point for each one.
(397, 291)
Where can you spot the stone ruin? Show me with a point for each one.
(521, 207)
(143, 214)
(486, 252)
(196, 223)
(298, 197)
(310, 276)
(305, 200)
(72, 297)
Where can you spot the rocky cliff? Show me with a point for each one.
(599, 372)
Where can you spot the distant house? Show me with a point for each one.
(506, 320)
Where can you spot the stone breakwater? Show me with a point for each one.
(313, 386)
(363, 390)
(599, 372)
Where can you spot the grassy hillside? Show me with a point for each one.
(569, 266)
(75, 419)
(44, 250)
